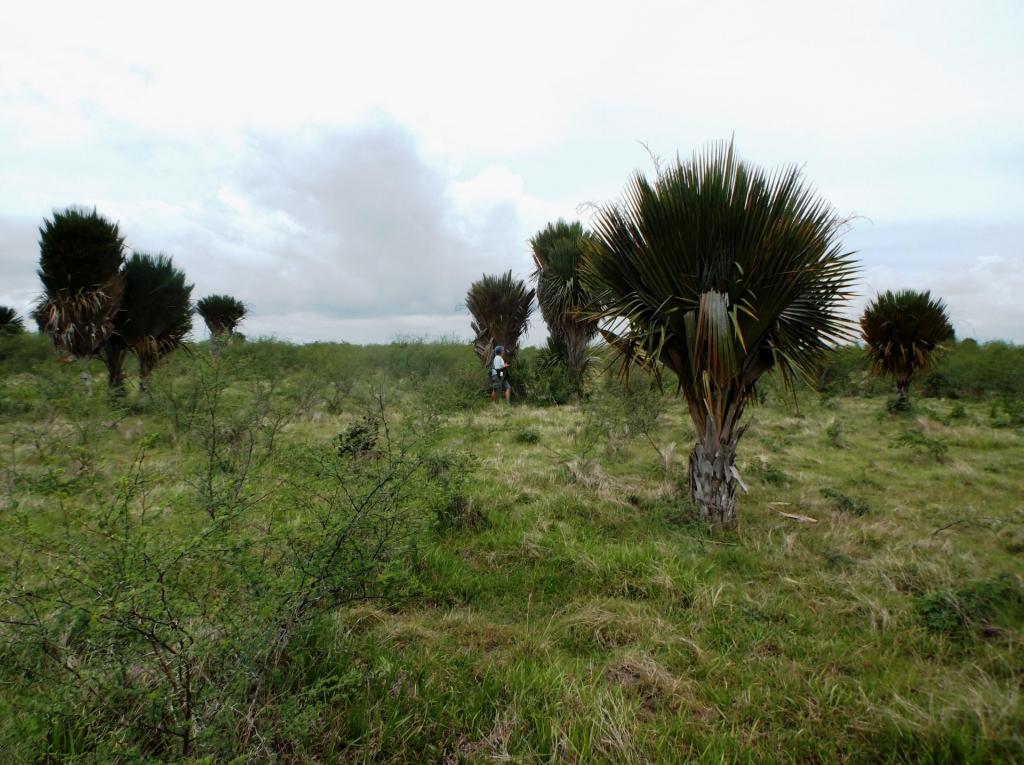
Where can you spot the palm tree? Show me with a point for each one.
(904, 331)
(80, 259)
(155, 317)
(565, 303)
(10, 322)
(501, 308)
(721, 271)
(222, 314)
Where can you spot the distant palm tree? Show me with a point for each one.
(80, 259)
(565, 303)
(904, 331)
(155, 317)
(10, 322)
(721, 271)
(501, 308)
(222, 314)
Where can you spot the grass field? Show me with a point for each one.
(548, 598)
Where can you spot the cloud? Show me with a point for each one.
(978, 270)
(19, 255)
(251, 147)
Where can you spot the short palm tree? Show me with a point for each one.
(80, 259)
(565, 303)
(155, 317)
(222, 314)
(721, 271)
(904, 331)
(501, 308)
(10, 322)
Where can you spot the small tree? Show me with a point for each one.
(501, 308)
(80, 260)
(155, 316)
(222, 314)
(904, 331)
(10, 322)
(720, 271)
(565, 303)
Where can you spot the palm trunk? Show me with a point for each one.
(712, 469)
(113, 355)
(86, 381)
(145, 373)
(902, 390)
(713, 482)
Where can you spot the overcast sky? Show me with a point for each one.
(347, 169)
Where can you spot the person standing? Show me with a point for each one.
(499, 376)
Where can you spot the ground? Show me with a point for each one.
(868, 607)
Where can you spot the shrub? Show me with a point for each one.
(846, 504)
(526, 436)
(978, 608)
(921, 443)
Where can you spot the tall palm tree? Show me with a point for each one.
(155, 317)
(565, 303)
(721, 271)
(80, 259)
(904, 331)
(501, 308)
(222, 314)
(10, 322)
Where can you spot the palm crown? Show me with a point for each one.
(904, 331)
(10, 322)
(565, 302)
(501, 308)
(721, 271)
(222, 313)
(80, 259)
(157, 312)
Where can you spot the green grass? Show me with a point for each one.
(569, 608)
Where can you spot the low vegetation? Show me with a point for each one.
(331, 553)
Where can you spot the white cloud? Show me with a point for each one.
(366, 161)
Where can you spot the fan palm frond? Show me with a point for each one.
(904, 332)
(156, 315)
(222, 313)
(721, 271)
(565, 302)
(501, 308)
(10, 322)
(80, 258)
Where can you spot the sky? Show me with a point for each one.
(348, 169)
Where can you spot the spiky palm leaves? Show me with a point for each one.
(721, 271)
(80, 259)
(155, 317)
(565, 303)
(10, 322)
(904, 331)
(501, 308)
(222, 314)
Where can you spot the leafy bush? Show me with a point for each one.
(1007, 413)
(845, 503)
(360, 437)
(922, 443)
(526, 436)
(771, 473)
(834, 434)
(979, 608)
